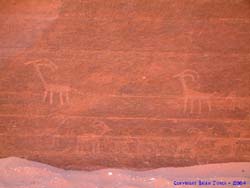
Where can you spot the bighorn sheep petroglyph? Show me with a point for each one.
(51, 89)
(193, 95)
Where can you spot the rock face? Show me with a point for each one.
(132, 84)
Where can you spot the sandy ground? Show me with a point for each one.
(21, 173)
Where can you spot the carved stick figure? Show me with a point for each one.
(193, 95)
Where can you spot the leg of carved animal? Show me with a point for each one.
(230, 101)
(45, 95)
(61, 98)
(51, 97)
(234, 105)
(192, 106)
(199, 100)
(67, 97)
(209, 105)
(185, 104)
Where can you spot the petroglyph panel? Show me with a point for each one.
(117, 148)
(125, 84)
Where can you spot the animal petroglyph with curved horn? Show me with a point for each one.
(193, 95)
(50, 89)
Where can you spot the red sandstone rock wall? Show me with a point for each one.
(131, 83)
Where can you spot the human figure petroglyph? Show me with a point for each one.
(193, 95)
(51, 89)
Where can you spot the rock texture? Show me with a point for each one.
(88, 84)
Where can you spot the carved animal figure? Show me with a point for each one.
(197, 133)
(102, 126)
(232, 100)
(193, 95)
(50, 89)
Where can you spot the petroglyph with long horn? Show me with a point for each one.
(51, 89)
(193, 95)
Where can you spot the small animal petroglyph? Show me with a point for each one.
(197, 133)
(242, 148)
(51, 89)
(233, 100)
(102, 126)
(193, 95)
(185, 151)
